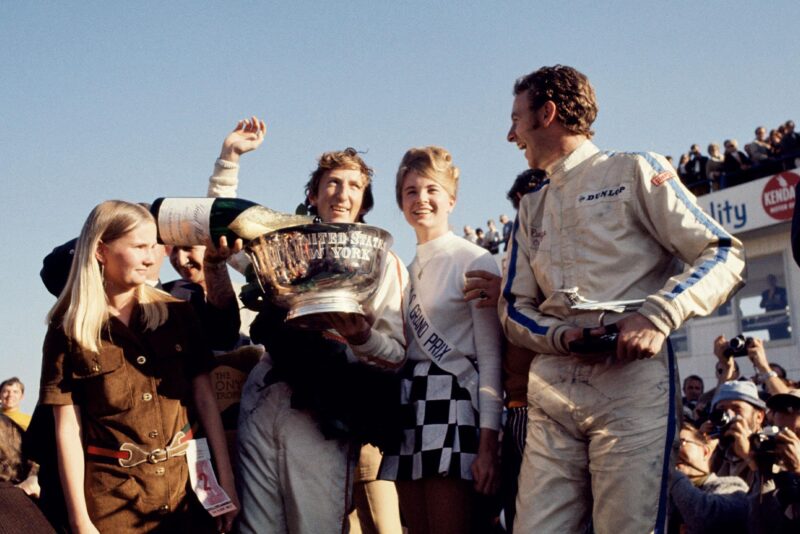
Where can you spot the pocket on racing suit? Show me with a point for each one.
(603, 244)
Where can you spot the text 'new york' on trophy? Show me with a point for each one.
(303, 265)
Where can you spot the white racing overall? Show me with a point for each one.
(600, 433)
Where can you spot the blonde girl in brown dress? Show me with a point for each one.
(125, 368)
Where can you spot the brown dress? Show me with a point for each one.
(137, 390)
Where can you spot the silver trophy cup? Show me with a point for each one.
(320, 268)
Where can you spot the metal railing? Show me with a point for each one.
(761, 169)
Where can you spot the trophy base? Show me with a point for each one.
(306, 312)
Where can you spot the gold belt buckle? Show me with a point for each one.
(157, 455)
(137, 455)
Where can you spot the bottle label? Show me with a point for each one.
(185, 221)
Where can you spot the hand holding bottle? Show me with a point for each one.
(245, 137)
(221, 252)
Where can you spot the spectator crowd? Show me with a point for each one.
(768, 153)
(738, 465)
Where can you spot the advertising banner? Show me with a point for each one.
(755, 204)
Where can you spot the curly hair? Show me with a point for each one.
(341, 159)
(568, 89)
(432, 162)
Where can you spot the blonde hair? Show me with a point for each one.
(82, 306)
(432, 162)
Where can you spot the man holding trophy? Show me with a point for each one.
(307, 406)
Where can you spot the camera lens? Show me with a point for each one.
(737, 343)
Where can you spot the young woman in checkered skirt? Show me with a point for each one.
(451, 391)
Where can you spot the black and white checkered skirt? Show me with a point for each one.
(440, 427)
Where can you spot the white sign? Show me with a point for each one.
(755, 204)
(204, 481)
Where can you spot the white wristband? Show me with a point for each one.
(225, 164)
(763, 377)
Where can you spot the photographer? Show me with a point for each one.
(737, 413)
(726, 369)
(777, 508)
(765, 375)
(702, 501)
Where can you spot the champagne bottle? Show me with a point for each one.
(202, 221)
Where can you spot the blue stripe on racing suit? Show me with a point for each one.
(515, 315)
(660, 525)
(724, 239)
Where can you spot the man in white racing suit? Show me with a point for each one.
(602, 226)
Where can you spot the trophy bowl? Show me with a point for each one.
(320, 268)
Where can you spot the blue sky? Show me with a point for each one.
(132, 100)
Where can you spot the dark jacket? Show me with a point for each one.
(347, 400)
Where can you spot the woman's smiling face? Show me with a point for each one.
(426, 206)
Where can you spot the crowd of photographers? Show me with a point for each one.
(738, 465)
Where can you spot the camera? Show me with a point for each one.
(737, 346)
(590, 344)
(764, 444)
(721, 419)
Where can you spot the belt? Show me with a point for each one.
(131, 454)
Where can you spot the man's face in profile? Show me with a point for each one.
(525, 129)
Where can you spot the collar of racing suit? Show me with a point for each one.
(562, 166)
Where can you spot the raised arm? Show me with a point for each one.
(245, 137)
(224, 181)
(758, 357)
(222, 306)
